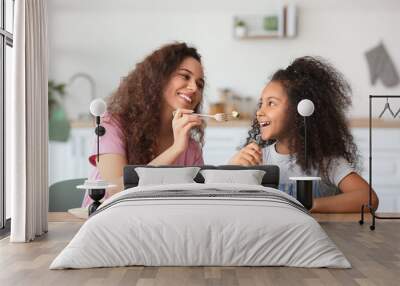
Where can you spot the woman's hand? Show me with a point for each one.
(249, 155)
(182, 122)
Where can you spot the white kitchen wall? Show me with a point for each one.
(106, 38)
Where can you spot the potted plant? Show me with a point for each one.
(59, 126)
(240, 29)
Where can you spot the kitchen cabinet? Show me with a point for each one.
(68, 160)
(222, 143)
(385, 164)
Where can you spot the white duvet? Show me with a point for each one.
(207, 230)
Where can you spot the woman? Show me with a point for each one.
(332, 153)
(140, 125)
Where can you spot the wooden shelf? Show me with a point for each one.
(277, 23)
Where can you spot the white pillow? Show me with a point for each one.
(162, 176)
(248, 177)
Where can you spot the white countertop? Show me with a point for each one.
(354, 123)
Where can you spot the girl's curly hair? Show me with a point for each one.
(136, 105)
(329, 137)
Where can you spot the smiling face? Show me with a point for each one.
(272, 114)
(185, 87)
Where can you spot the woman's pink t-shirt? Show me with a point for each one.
(112, 143)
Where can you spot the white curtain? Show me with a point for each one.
(27, 123)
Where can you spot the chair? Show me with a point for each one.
(64, 195)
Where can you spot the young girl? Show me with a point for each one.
(140, 125)
(332, 154)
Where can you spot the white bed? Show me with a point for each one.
(221, 225)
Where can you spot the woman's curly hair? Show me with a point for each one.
(136, 104)
(329, 137)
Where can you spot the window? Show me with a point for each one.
(6, 44)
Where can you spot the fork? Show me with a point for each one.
(218, 116)
(221, 116)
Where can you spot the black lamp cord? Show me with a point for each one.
(98, 151)
(98, 137)
(100, 131)
(305, 144)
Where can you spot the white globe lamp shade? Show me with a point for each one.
(98, 107)
(305, 107)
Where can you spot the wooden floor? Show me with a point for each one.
(374, 255)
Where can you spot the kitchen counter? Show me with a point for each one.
(376, 123)
(82, 123)
(233, 123)
(354, 123)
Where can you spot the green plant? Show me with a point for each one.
(55, 91)
(240, 23)
(59, 126)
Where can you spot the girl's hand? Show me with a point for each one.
(182, 122)
(249, 155)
